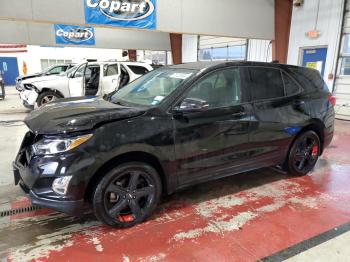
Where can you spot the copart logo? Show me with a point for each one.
(127, 10)
(75, 35)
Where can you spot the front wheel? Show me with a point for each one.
(127, 195)
(303, 154)
(47, 97)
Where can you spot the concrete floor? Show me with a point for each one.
(262, 215)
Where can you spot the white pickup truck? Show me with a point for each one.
(87, 79)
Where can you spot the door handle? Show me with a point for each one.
(239, 114)
(299, 103)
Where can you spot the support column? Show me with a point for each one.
(176, 48)
(283, 18)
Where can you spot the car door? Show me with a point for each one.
(136, 71)
(211, 142)
(274, 111)
(77, 81)
(111, 78)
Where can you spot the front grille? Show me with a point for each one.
(28, 140)
(24, 154)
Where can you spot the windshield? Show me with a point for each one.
(152, 88)
(47, 69)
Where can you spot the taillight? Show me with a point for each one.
(332, 100)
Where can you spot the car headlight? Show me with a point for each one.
(50, 146)
(29, 87)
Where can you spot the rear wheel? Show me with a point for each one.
(2, 91)
(303, 154)
(47, 97)
(127, 195)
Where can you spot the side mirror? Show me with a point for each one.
(192, 105)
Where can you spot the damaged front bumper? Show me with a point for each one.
(29, 98)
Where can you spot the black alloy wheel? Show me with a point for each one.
(127, 195)
(303, 154)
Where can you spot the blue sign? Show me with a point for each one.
(74, 35)
(122, 13)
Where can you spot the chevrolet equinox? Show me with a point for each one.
(172, 128)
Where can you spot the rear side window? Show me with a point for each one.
(309, 79)
(111, 70)
(265, 83)
(291, 87)
(138, 70)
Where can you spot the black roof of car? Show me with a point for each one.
(205, 65)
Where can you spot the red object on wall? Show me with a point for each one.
(132, 55)
(11, 48)
(283, 18)
(176, 48)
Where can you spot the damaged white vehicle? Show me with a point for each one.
(88, 79)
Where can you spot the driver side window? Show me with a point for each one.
(80, 71)
(219, 89)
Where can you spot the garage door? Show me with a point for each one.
(342, 84)
(222, 48)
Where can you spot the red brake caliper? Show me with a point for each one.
(126, 218)
(315, 150)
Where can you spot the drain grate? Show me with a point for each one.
(12, 212)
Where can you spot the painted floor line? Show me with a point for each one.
(308, 244)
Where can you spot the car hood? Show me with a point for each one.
(38, 79)
(77, 114)
(21, 78)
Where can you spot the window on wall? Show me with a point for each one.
(223, 53)
(155, 57)
(221, 48)
(345, 59)
(45, 63)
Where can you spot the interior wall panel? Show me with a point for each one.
(43, 34)
(232, 18)
(67, 11)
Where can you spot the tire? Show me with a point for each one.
(46, 97)
(120, 202)
(2, 91)
(303, 154)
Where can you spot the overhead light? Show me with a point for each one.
(313, 34)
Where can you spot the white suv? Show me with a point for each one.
(88, 79)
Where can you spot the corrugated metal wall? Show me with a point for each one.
(342, 84)
(222, 48)
(259, 50)
(329, 20)
(213, 42)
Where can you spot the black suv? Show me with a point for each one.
(172, 128)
